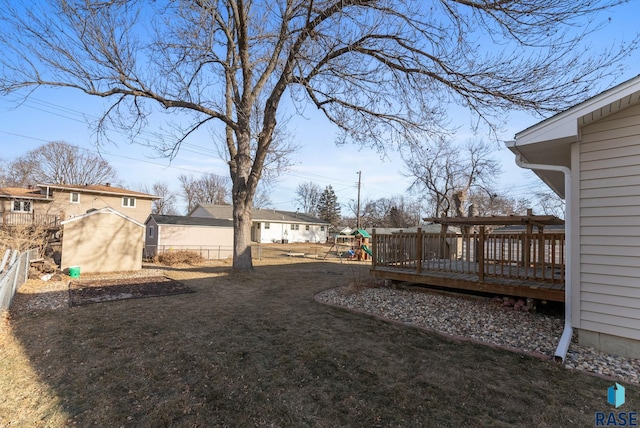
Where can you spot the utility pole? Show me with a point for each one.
(358, 206)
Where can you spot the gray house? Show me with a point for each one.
(590, 156)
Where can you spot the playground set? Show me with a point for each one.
(354, 246)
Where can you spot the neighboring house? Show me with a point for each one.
(55, 202)
(212, 238)
(272, 225)
(73, 200)
(26, 206)
(590, 156)
(103, 240)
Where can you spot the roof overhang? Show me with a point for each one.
(534, 220)
(105, 210)
(549, 142)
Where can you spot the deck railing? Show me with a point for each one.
(9, 218)
(536, 257)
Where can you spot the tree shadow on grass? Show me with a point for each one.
(258, 350)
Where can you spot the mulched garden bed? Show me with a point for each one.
(108, 290)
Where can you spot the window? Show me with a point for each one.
(75, 198)
(267, 225)
(151, 231)
(306, 227)
(129, 202)
(22, 206)
(295, 227)
(321, 228)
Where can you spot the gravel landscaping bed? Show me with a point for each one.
(481, 320)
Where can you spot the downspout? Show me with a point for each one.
(565, 339)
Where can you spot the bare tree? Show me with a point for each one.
(382, 71)
(489, 203)
(24, 237)
(396, 211)
(262, 198)
(167, 204)
(60, 163)
(448, 173)
(308, 195)
(4, 177)
(208, 189)
(550, 203)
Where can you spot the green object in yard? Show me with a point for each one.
(74, 271)
(367, 250)
(362, 233)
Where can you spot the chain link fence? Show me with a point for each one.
(14, 271)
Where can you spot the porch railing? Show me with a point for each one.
(535, 257)
(9, 218)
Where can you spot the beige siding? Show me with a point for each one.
(213, 242)
(609, 209)
(38, 206)
(103, 242)
(195, 235)
(62, 203)
(200, 212)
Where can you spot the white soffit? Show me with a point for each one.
(564, 126)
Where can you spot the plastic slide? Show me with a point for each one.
(367, 250)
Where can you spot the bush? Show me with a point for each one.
(23, 237)
(171, 258)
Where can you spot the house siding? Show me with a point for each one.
(609, 203)
(279, 224)
(62, 204)
(211, 241)
(282, 231)
(200, 212)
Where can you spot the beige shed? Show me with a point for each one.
(103, 240)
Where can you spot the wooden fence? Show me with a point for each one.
(523, 256)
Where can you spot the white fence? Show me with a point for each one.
(14, 270)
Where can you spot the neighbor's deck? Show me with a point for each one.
(522, 265)
(49, 221)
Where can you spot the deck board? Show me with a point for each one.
(469, 281)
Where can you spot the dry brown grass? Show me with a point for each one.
(258, 350)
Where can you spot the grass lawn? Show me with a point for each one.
(257, 350)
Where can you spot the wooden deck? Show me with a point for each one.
(48, 221)
(523, 265)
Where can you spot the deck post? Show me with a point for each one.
(443, 242)
(374, 249)
(419, 251)
(541, 251)
(480, 252)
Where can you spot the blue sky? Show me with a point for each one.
(60, 114)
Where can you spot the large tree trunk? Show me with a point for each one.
(242, 261)
(242, 192)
